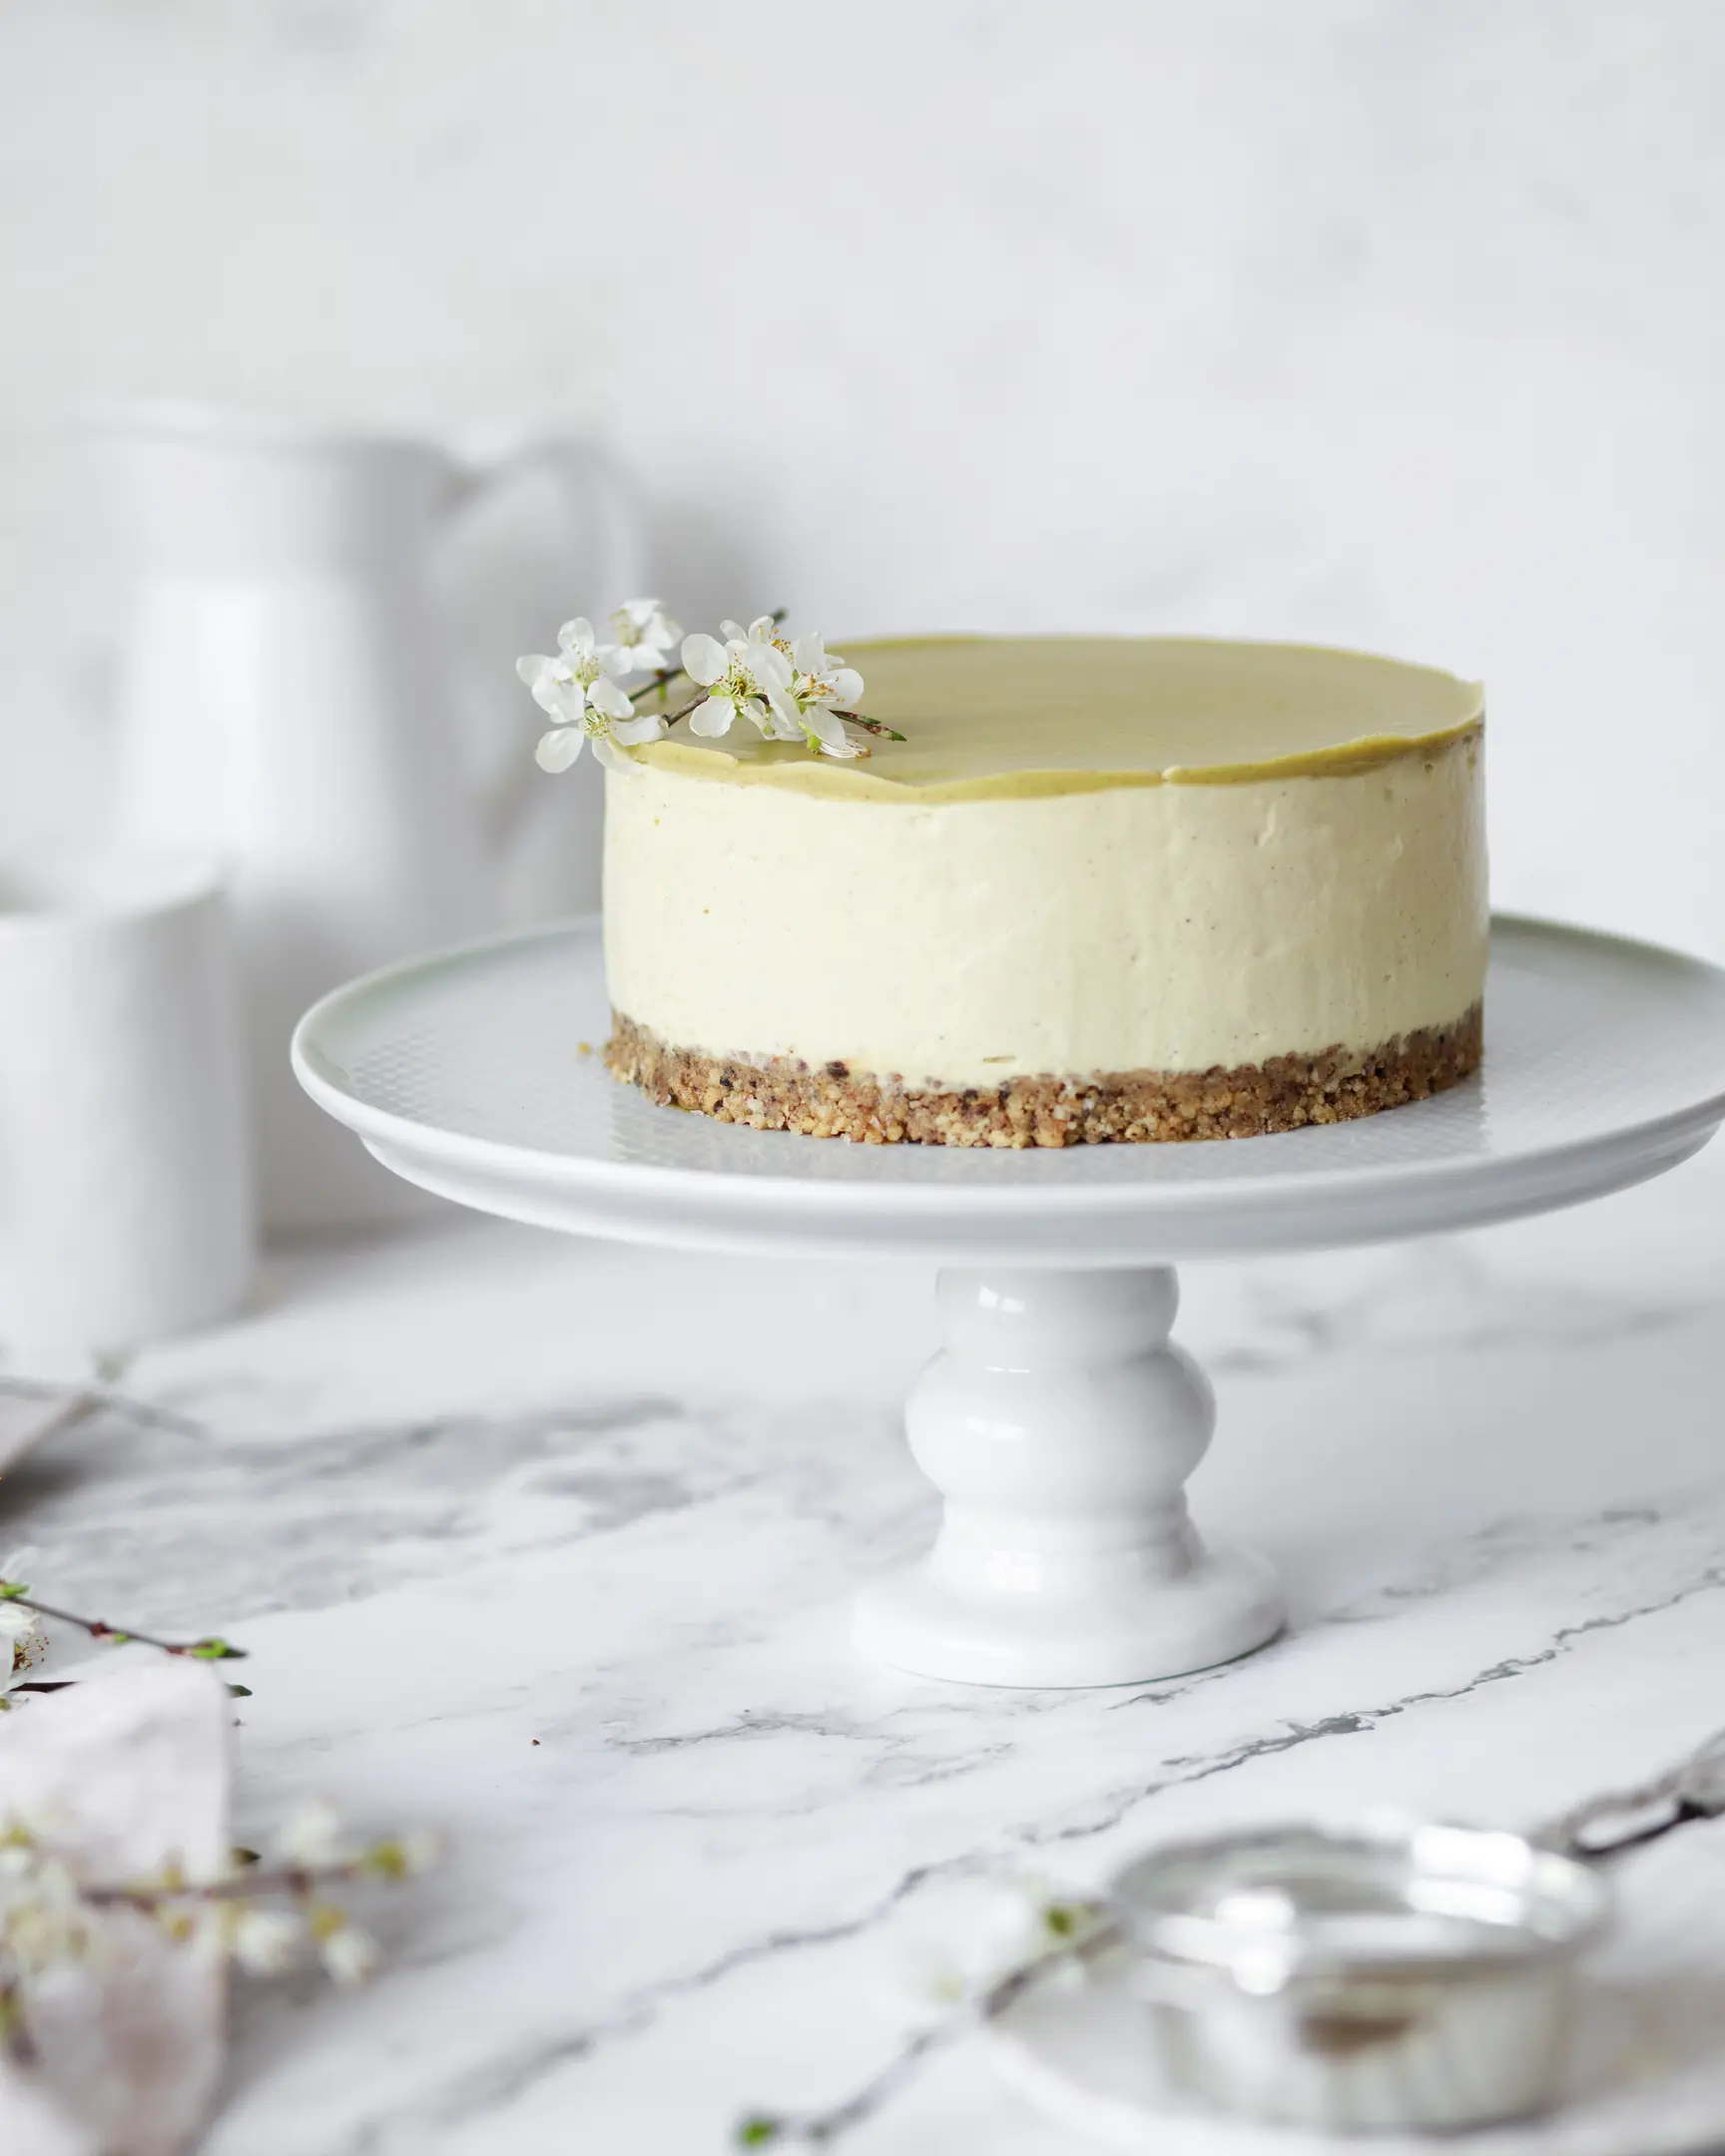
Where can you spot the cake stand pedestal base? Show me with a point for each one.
(1060, 1427)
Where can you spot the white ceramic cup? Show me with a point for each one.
(126, 1202)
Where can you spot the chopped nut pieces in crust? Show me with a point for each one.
(1133, 1107)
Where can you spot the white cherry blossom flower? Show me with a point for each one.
(788, 692)
(1008, 1926)
(45, 1919)
(642, 636)
(742, 676)
(23, 1641)
(560, 683)
(822, 675)
(763, 655)
(577, 692)
(417, 1850)
(266, 1940)
(350, 1955)
(311, 1837)
(763, 659)
(821, 685)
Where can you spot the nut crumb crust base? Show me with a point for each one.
(1112, 1108)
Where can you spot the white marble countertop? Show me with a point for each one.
(547, 1543)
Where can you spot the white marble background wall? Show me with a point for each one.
(1357, 319)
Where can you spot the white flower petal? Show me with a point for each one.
(767, 666)
(576, 637)
(715, 716)
(640, 611)
(312, 1834)
(350, 1955)
(704, 659)
(533, 668)
(831, 733)
(606, 697)
(607, 752)
(640, 728)
(733, 632)
(810, 652)
(761, 627)
(418, 1849)
(556, 751)
(564, 702)
(265, 1941)
(846, 687)
(570, 706)
(23, 1643)
(785, 709)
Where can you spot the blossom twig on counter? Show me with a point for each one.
(263, 1916)
(105, 1932)
(201, 1650)
(1066, 1934)
(22, 1634)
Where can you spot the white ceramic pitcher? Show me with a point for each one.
(283, 698)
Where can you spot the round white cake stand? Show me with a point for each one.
(1057, 1421)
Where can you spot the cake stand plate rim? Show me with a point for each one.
(1059, 1220)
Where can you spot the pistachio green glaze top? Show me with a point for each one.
(993, 717)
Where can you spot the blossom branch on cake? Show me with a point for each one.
(789, 689)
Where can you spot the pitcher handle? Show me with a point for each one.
(600, 504)
(597, 496)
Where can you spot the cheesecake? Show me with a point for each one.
(1103, 890)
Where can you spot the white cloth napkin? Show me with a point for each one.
(126, 1771)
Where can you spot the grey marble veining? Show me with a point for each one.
(548, 1545)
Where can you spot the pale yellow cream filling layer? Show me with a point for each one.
(965, 940)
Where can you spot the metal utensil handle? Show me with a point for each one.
(1622, 1820)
